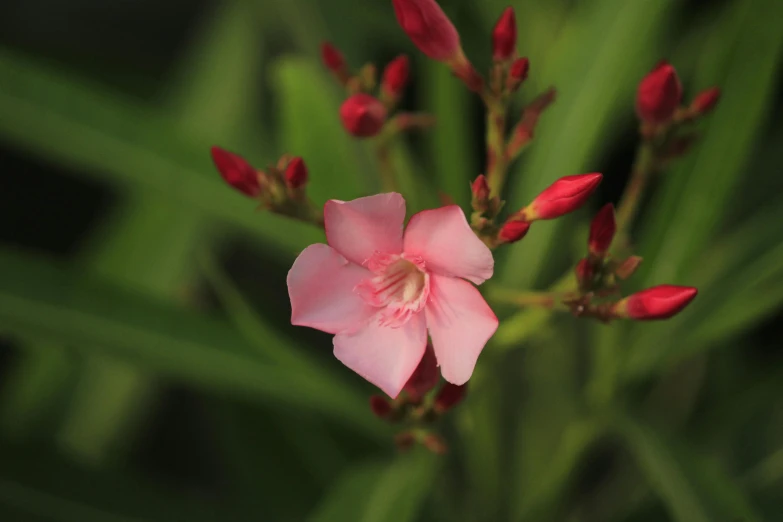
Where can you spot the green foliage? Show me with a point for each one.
(565, 420)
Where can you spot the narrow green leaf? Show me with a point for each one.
(51, 301)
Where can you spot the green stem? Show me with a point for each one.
(497, 162)
(550, 300)
(643, 167)
(385, 167)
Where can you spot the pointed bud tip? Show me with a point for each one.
(602, 230)
(659, 94)
(706, 100)
(504, 36)
(296, 173)
(236, 171)
(429, 28)
(395, 76)
(627, 268)
(362, 115)
(658, 302)
(331, 57)
(480, 188)
(520, 69)
(563, 196)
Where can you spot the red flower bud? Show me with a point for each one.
(380, 407)
(705, 101)
(658, 302)
(363, 116)
(602, 231)
(563, 196)
(584, 272)
(435, 443)
(449, 396)
(659, 94)
(428, 27)
(517, 74)
(236, 171)
(480, 190)
(296, 173)
(425, 377)
(627, 268)
(504, 37)
(395, 76)
(332, 58)
(513, 230)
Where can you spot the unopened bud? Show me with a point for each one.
(296, 173)
(362, 115)
(705, 101)
(434, 443)
(332, 58)
(504, 36)
(395, 77)
(449, 396)
(424, 377)
(563, 196)
(517, 74)
(404, 441)
(428, 27)
(480, 191)
(584, 273)
(659, 94)
(602, 230)
(236, 171)
(513, 230)
(658, 302)
(627, 268)
(380, 407)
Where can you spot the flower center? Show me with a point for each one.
(399, 287)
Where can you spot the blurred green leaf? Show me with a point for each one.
(51, 301)
(693, 488)
(57, 116)
(392, 492)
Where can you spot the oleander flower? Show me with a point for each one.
(380, 291)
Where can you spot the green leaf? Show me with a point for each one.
(392, 492)
(51, 113)
(53, 302)
(694, 488)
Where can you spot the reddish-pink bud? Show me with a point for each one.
(435, 443)
(658, 302)
(380, 407)
(513, 230)
(480, 188)
(449, 396)
(504, 37)
(602, 231)
(563, 196)
(395, 76)
(296, 173)
(331, 57)
(236, 171)
(584, 271)
(705, 101)
(520, 69)
(362, 115)
(659, 94)
(425, 377)
(428, 27)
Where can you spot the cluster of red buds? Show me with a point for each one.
(280, 188)
(369, 111)
(363, 114)
(424, 401)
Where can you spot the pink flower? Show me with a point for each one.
(380, 291)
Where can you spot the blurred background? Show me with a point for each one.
(148, 370)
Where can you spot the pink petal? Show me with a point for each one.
(359, 228)
(321, 287)
(460, 324)
(383, 355)
(443, 238)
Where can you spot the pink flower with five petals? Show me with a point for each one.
(380, 291)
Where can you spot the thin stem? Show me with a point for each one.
(497, 162)
(385, 167)
(643, 168)
(550, 300)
